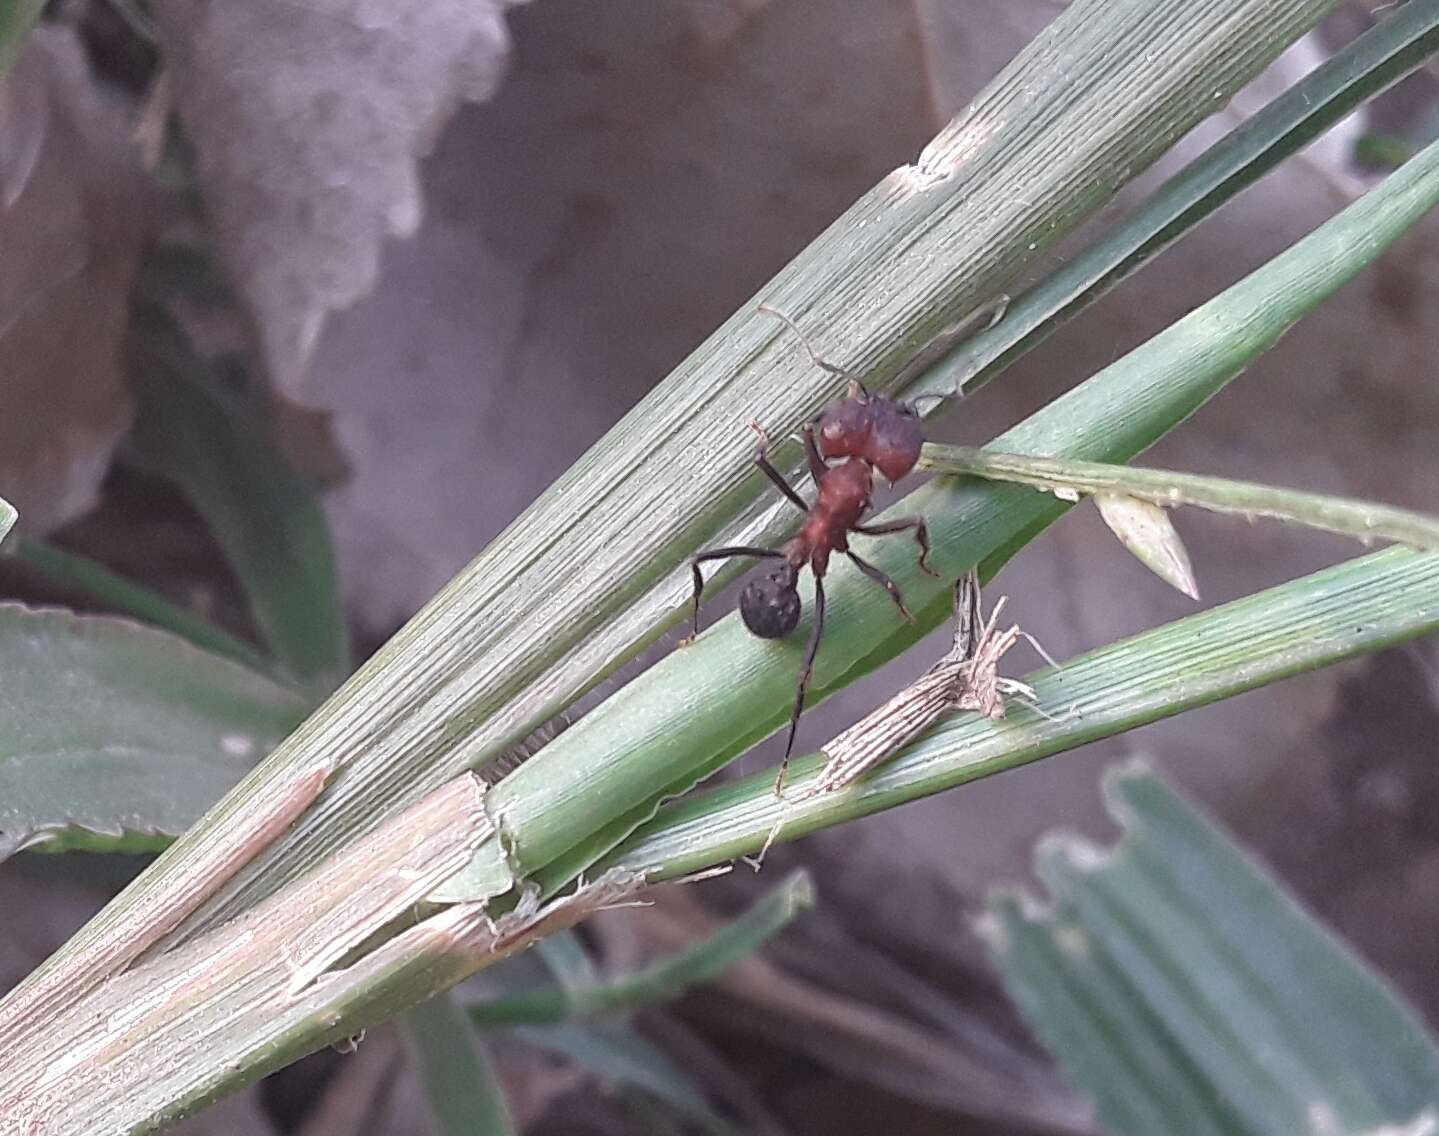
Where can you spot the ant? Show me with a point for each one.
(863, 432)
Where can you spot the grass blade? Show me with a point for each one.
(1366, 521)
(701, 705)
(70, 571)
(594, 570)
(264, 516)
(461, 1085)
(1383, 55)
(622, 1057)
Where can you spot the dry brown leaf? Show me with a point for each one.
(307, 119)
(70, 212)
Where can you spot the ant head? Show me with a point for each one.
(844, 428)
(769, 605)
(895, 437)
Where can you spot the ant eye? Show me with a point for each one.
(769, 605)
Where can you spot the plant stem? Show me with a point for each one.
(1363, 520)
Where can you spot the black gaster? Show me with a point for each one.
(769, 604)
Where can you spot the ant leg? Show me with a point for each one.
(720, 554)
(761, 459)
(804, 675)
(883, 581)
(817, 466)
(904, 524)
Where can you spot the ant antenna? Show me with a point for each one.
(822, 364)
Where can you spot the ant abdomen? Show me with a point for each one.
(769, 604)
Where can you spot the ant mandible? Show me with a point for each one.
(863, 432)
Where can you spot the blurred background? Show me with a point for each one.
(442, 247)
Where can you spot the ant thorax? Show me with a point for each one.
(844, 496)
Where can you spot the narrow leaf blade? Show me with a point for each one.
(1067, 478)
(662, 981)
(1373, 61)
(622, 1057)
(704, 703)
(69, 571)
(463, 1089)
(266, 518)
(1362, 605)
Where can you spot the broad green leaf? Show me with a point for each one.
(1187, 991)
(193, 431)
(117, 737)
(463, 1090)
(7, 517)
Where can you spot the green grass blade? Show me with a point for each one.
(622, 1058)
(568, 962)
(67, 570)
(700, 706)
(1361, 605)
(1364, 520)
(116, 737)
(663, 981)
(265, 517)
(1376, 59)
(463, 1090)
(1237, 1004)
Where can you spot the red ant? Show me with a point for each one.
(869, 432)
